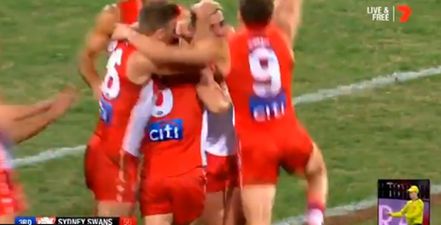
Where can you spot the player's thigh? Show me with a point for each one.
(188, 196)
(161, 219)
(233, 173)
(297, 148)
(7, 219)
(257, 203)
(258, 160)
(114, 209)
(214, 208)
(233, 208)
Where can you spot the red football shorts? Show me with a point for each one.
(11, 197)
(182, 195)
(222, 172)
(263, 152)
(92, 155)
(111, 177)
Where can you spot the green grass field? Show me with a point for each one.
(364, 137)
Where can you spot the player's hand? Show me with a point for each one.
(45, 104)
(63, 101)
(121, 31)
(205, 8)
(389, 214)
(97, 91)
(207, 76)
(134, 25)
(182, 27)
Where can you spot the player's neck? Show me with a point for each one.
(256, 26)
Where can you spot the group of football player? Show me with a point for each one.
(196, 117)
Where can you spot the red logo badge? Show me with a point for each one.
(127, 221)
(406, 11)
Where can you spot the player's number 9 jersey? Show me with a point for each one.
(260, 88)
(268, 100)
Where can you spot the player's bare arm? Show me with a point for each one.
(287, 16)
(17, 112)
(96, 42)
(207, 12)
(213, 95)
(21, 130)
(200, 54)
(163, 53)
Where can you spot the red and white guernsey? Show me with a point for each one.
(5, 153)
(124, 106)
(129, 11)
(220, 137)
(175, 130)
(260, 80)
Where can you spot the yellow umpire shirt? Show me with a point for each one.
(413, 211)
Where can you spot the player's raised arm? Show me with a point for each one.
(202, 53)
(96, 42)
(287, 16)
(204, 12)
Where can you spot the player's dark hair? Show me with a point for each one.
(156, 15)
(256, 12)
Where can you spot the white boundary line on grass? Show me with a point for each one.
(320, 95)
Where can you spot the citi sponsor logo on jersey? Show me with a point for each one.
(166, 130)
(263, 109)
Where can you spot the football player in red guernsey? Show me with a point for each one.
(98, 41)
(269, 132)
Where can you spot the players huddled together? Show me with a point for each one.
(196, 116)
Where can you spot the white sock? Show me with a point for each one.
(315, 217)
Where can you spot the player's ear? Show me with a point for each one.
(160, 33)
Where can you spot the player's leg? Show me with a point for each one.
(305, 159)
(116, 185)
(188, 195)
(11, 202)
(258, 175)
(213, 213)
(233, 206)
(214, 206)
(162, 219)
(7, 219)
(317, 179)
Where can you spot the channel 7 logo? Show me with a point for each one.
(165, 130)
